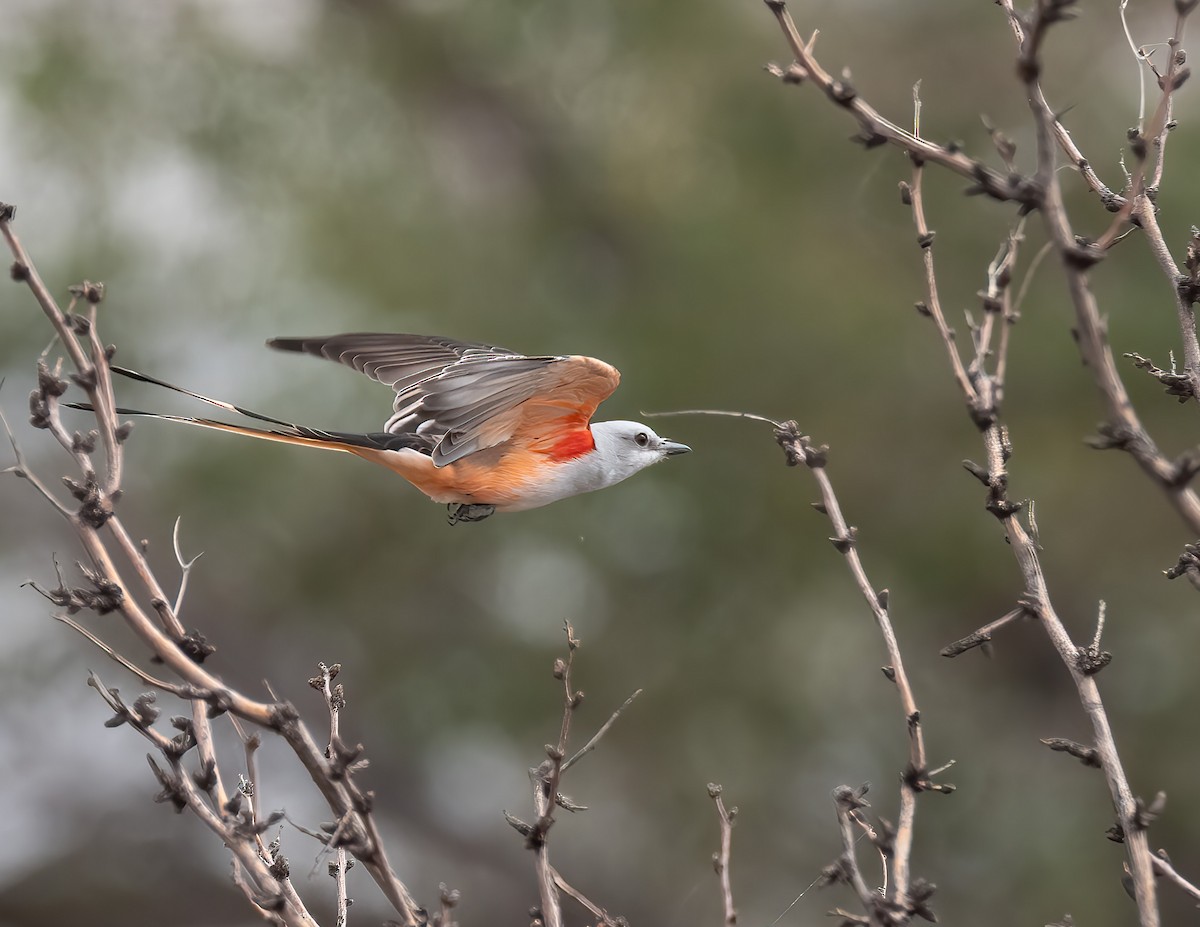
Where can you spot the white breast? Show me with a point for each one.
(563, 480)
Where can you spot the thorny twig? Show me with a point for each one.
(596, 911)
(933, 308)
(546, 778)
(917, 777)
(849, 803)
(335, 701)
(1163, 866)
(448, 899)
(595, 738)
(185, 567)
(721, 858)
(983, 636)
(179, 690)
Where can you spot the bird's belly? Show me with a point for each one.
(512, 480)
(556, 480)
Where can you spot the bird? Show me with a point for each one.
(474, 426)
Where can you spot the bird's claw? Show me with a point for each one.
(468, 512)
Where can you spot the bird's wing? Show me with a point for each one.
(470, 396)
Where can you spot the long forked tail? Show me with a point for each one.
(285, 432)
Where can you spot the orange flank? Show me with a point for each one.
(572, 445)
(494, 475)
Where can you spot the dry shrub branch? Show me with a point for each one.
(980, 377)
(117, 577)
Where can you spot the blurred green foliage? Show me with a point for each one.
(617, 179)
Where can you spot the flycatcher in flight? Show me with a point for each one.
(475, 426)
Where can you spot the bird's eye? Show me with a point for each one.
(642, 439)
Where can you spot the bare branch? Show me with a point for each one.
(878, 130)
(182, 691)
(1088, 756)
(1124, 429)
(1163, 866)
(799, 448)
(21, 470)
(448, 899)
(1111, 201)
(848, 801)
(746, 415)
(184, 565)
(1139, 56)
(721, 858)
(23, 270)
(984, 635)
(933, 308)
(567, 889)
(546, 778)
(595, 739)
(335, 701)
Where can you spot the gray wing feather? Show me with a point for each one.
(446, 390)
(394, 360)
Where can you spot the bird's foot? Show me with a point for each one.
(468, 512)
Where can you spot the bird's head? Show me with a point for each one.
(628, 447)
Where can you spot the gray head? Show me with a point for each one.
(622, 449)
(627, 447)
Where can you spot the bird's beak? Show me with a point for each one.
(671, 448)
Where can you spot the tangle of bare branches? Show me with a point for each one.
(117, 578)
(981, 380)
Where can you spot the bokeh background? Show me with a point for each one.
(617, 178)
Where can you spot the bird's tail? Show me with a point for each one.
(285, 432)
